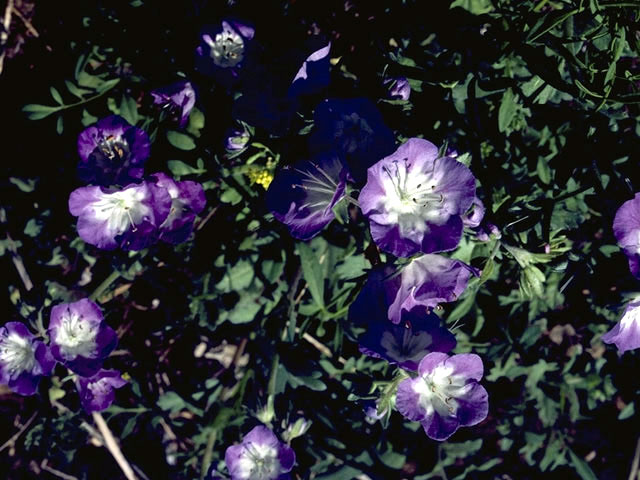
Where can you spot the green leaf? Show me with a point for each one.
(508, 109)
(180, 140)
(129, 109)
(37, 112)
(312, 272)
(477, 7)
(582, 468)
(627, 411)
(75, 90)
(56, 95)
(179, 168)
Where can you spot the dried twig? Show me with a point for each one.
(44, 466)
(4, 35)
(635, 463)
(113, 447)
(16, 435)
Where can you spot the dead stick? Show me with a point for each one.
(4, 36)
(15, 436)
(112, 446)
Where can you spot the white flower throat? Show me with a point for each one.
(122, 210)
(412, 198)
(16, 353)
(76, 336)
(259, 463)
(439, 389)
(227, 49)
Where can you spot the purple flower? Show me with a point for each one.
(97, 392)
(302, 196)
(626, 333)
(371, 414)
(260, 456)
(399, 88)
(428, 281)
(23, 359)
(446, 394)
(80, 338)
(127, 218)
(112, 152)
(353, 128)
(402, 344)
(187, 201)
(223, 50)
(313, 75)
(415, 200)
(177, 99)
(626, 228)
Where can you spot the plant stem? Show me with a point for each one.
(97, 293)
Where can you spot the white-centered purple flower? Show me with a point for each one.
(112, 152)
(626, 228)
(415, 200)
(80, 338)
(177, 100)
(23, 359)
(626, 333)
(353, 128)
(260, 456)
(446, 394)
(303, 195)
(223, 50)
(187, 201)
(399, 88)
(97, 392)
(127, 218)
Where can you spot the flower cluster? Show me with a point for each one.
(141, 212)
(79, 339)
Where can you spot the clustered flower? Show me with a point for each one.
(143, 211)
(79, 339)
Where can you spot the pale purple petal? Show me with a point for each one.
(626, 333)
(313, 75)
(399, 88)
(626, 228)
(178, 99)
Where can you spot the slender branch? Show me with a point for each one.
(112, 446)
(635, 463)
(4, 35)
(15, 436)
(97, 293)
(44, 466)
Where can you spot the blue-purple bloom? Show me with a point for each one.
(353, 128)
(399, 88)
(223, 50)
(260, 456)
(80, 338)
(177, 100)
(302, 196)
(127, 218)
(97, 392)
(415, 200)
(23, 359)
(187, 201)
(427, 281)
(626, 333)
(626, 228)
(446, 394)
(112, 152)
